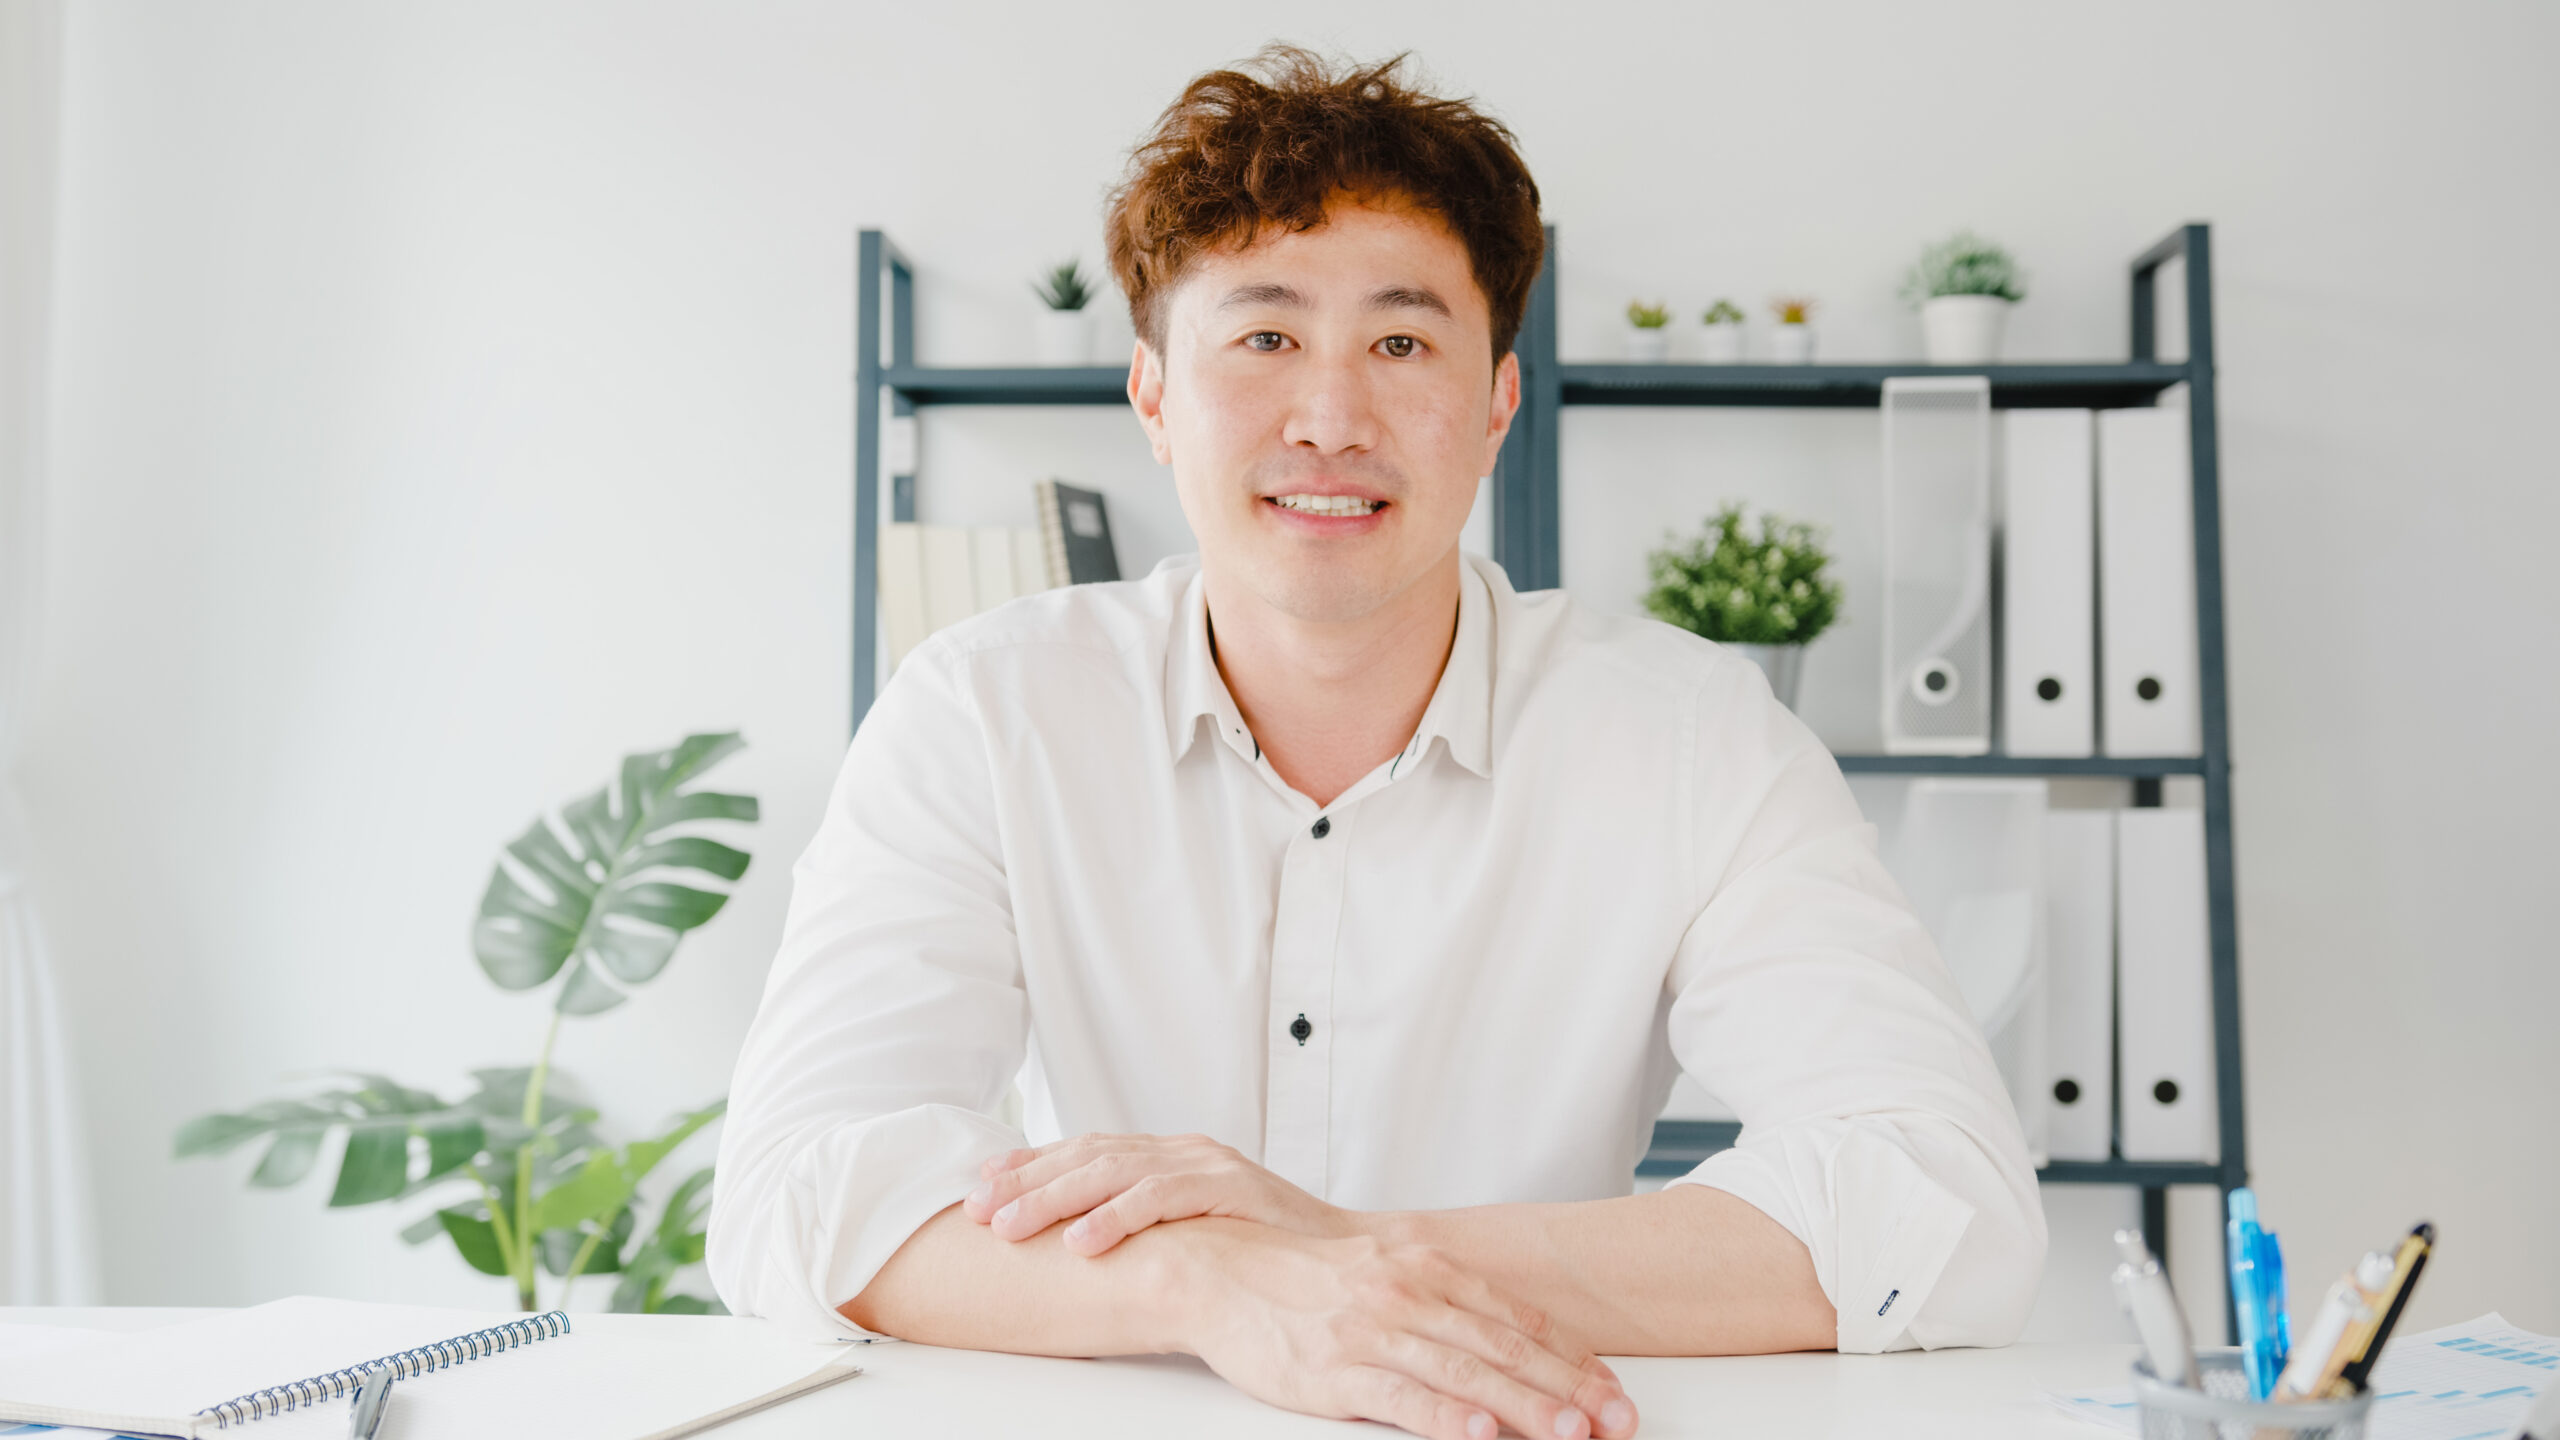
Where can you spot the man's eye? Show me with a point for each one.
(1401, 346)
(1266, 340)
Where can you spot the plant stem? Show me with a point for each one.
(525, 1257)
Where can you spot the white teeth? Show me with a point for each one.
(1325, 504)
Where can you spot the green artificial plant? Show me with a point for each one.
(589, 903)
(1646, 316)
(1064, 287)
(1964, 264)
(1723, 312)
(1739, 589)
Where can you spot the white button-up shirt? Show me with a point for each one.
(1607, 853)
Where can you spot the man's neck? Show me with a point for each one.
(1329, 702)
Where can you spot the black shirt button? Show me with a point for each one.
(1323, 827)
(1301, 1029)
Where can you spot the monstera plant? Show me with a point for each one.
(586, 904)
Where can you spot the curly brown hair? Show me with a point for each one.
(1274, 143)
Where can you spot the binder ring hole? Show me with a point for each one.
(2066, 1091)
(2147, 688)
(2048, 689)
(1935, 682)
(2166, 1092)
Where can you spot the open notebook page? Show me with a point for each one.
(587, 1383)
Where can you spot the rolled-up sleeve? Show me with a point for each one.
(892, 1022)
(1875, 1127)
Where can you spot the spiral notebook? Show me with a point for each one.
(286, 1370)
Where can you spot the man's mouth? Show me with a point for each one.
(1326, 504)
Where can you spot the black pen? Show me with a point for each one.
(373, 1399)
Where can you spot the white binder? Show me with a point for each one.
(2080, 980)
(2048, 596)
(1969, 856)
(2147, 585)
(2165, 977)
(1937, 565)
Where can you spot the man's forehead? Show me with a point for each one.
(1377, 256)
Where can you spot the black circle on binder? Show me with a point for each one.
(2067, 1091)
(1301, 1029)
(2147, 688)
(2166, 1092)
(2048, 689)
(1935, 679)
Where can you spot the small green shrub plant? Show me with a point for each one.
(1645, 315)
(1065, 287)
(1737, 588)
(1964, 264)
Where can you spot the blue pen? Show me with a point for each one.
(2257, 1294)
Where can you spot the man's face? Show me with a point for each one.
(1328, 402)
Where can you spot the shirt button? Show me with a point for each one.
(1301, 1029)
(1323, 827)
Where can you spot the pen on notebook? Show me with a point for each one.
(2144, 1293)
(373, 1399)
(2411, 1260)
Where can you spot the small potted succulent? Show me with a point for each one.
(1064, 333)
(1765, 595)
(1964, 286)
(1791, 343)
(1722, 339)
(1648, 330)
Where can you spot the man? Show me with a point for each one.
(1354, 910)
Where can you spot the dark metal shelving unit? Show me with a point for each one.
(888, 382)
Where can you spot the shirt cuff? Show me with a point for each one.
(845, 1204)
(1879, 1228)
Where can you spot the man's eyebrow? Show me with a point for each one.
(1266, 293)
(1410, 297)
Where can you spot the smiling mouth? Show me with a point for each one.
(1348, 505)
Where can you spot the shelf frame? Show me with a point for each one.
(889, 386)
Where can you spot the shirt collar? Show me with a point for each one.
(1460, 712)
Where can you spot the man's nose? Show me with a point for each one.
(1333, 409)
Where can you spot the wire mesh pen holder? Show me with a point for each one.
(2222, 1410)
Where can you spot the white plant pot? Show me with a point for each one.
(1651, 346)
(1720, 344)
(1963, 329)
(1783, 664)
(1791, 345)
(1062, 337)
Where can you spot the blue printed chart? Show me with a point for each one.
(2473, 1381)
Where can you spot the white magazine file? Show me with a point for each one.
(1937, 565)
(2080, 973)
(2147, 585)
(2165, 982)
(2048, 591)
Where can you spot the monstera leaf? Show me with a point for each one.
(590, 897)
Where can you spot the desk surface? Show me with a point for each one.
(918, 1389)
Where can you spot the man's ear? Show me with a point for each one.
(1506, 407)
(1146, 396)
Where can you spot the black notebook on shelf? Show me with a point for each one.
(1077, 531)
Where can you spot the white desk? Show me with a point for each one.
(919, 1390)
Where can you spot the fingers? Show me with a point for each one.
(1073, 1193)
(1521, 1340)
(1150, 1201)
(1373, 1392)
(1027, 1191)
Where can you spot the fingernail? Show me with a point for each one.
(980, 1196)
(1617, 1416)
(1079, 1230)
(1007, 1212)
(1570, 1424)
(1480, 1426)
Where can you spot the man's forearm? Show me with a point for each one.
(1686, 1271)
(953, 1283)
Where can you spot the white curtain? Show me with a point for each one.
(48, 1244)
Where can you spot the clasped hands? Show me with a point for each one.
(1341, 1319)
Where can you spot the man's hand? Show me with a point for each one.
(1357, 1328)
(1121, 1184)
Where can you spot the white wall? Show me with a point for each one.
(453, 397)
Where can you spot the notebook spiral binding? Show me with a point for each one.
(277, 1399)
